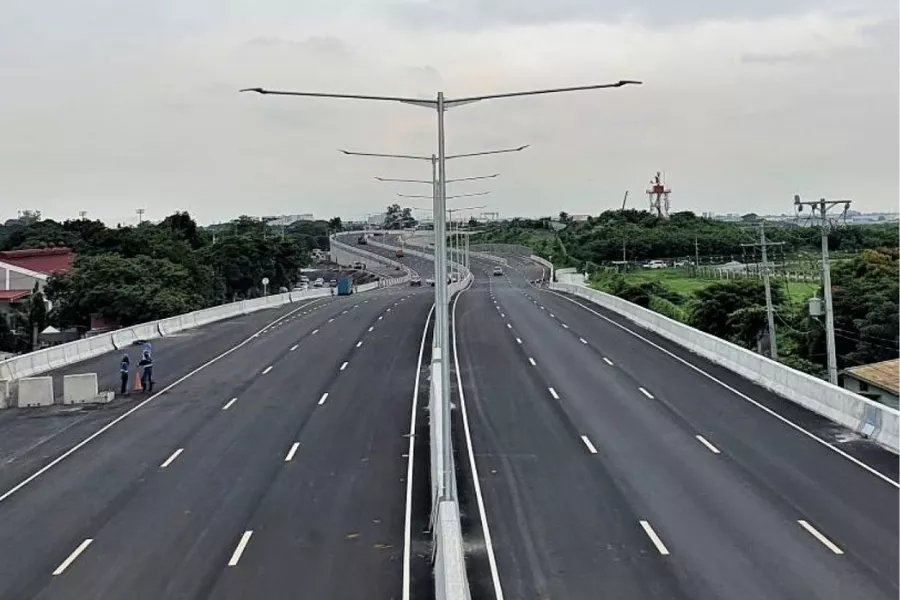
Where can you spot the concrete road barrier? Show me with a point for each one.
(871, 419)
(35, 391)
(4, 393)
(82, 388)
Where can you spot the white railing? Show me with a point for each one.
(869, 418)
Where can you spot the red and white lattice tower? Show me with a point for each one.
(658, 194)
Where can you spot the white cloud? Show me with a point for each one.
(141, 109)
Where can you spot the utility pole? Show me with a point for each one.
(82, 214)
(819, 209)
(770, 310)
(696, 256)
(140, 213)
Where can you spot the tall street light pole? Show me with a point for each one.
(462, 254)
(441, 104)
(453, 252)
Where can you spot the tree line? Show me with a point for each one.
(601, 239)
(130, 275)
(864, 283)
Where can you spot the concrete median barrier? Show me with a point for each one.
(35, 391)
(82, 388)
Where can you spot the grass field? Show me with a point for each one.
(681, 281)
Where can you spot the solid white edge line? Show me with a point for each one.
(707, 443)
(344, 366)
(646, 393)
(137, 407)
(171, 458)
(737, 393)
(229, 403)
(816, 534)
(267, 369)
(488, 544)
(531, 360)
(323, 398)
(609, 362)
(292, 452)
(71, 558)
(553, 393)
(654, 538)
(411, 453)
(242, 545)
(590, 446)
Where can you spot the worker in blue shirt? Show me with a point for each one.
(124, 368)
(146, 365)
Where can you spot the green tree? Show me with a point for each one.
(128, 290)
(335, 224)
(732, 310)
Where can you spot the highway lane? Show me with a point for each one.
(424, 267)
(336, 508)
(746, 506)
(165, 493)
(560, 527)
(30, 438)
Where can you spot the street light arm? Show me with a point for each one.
(468, 195)
(473, 178)
(416, 101)
(406, 156)
(405, 180)
(504, 151)
(470, 99)
(413, 196)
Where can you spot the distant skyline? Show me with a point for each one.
(110, 107)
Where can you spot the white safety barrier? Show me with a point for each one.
(544, 263)
(82, 388)
(36, 391)
(874, 420)
(48, 359)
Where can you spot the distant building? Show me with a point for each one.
(876, 381)
(279, 220)
(21, 269)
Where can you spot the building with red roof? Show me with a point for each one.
(21, 269)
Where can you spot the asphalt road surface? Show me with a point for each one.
(278, 471)
(607, 467)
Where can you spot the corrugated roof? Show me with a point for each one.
(42, 260)
(885, 374)
(12, 295)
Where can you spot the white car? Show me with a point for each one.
(430, 281)
(656, 264)
(319, 283)
(498, 271)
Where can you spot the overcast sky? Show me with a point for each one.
(108, 106)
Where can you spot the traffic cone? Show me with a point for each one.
(137, 381)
